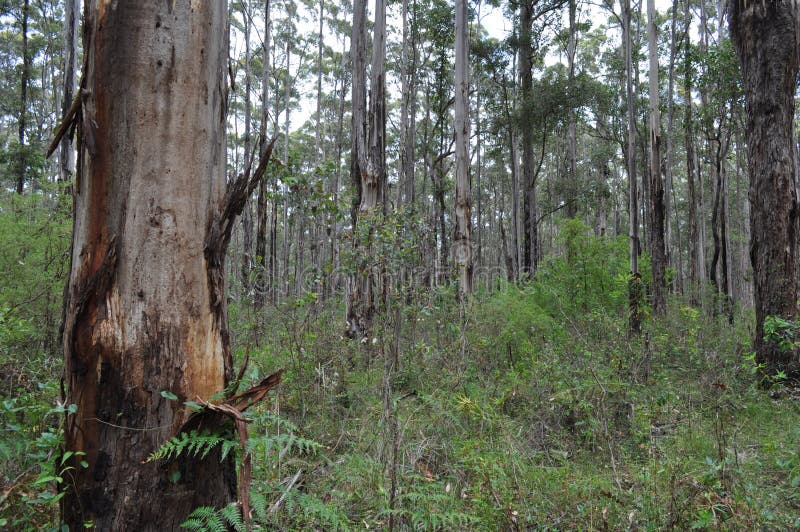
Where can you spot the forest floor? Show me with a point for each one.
(526, 408)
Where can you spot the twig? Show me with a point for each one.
(277, 504)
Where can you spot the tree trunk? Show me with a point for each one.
(572, 128)
(368, 158)
(657, 251)
(530, 253)
(635, 288)
(668, 186)
(71, 19)
(261, 286)
(691, 169)
(766, 37)
(247, 216)
(22, 163)
(463, 240)
(146, 310)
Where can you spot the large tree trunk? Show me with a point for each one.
(462, 241)
(146, 310)
(656, 211)
(766, 36)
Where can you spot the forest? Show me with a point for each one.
(405, 265)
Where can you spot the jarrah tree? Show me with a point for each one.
(766, 36)
(145, 308)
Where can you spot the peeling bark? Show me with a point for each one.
(145, 304)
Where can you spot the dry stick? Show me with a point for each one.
(69, 118)
(277, 504)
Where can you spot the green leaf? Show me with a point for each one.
(197, 407)
(169, 395)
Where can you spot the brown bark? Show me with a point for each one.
(146, 310)
(766, 36)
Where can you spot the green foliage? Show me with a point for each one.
(193, 443)
(208, 519)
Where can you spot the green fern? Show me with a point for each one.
(258, 504)
(205, 519)
(208, 519)
(193, 443)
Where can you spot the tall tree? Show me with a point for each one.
(630, 155)
(695, 251)
(572, 128)
(368, 157)
(463, 239)
(656, 211)
(22, 164)
(247, 216)
(71, 19)
(766, 36)
(530, 227)
(261, 285)
(146, 308)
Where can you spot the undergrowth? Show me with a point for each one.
(528, 407)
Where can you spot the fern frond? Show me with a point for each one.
(192, 443)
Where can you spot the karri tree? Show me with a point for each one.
(766, 36)
(146, 309)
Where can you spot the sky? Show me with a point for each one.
(492, 20)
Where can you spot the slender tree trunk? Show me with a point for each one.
(145, 308)
(695, 257)
(766, 37)
(247, 216)
(71, 19)
(516, 240)
(318, 130)
(657, 212)
(668, 187)
(262, 286)
(530, 253)
(287, 93)
(463, 239)
(572, 128)
(635, 283)
(22, 160)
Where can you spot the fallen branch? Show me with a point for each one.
(277, 504)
